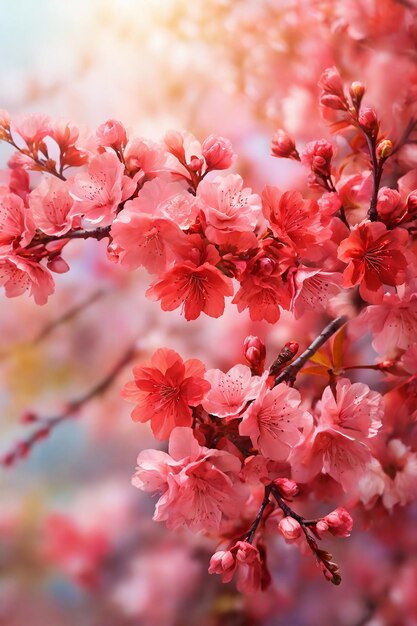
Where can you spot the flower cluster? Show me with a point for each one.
(242, 444)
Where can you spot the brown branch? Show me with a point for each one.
(44, 426)
(289, 374)
(377, 167)
(41, 164)
(98, 233)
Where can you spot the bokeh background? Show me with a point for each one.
(77, 544)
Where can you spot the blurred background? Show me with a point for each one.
(77, 543)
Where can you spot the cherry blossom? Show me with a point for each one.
(230, 391)
(164, 390)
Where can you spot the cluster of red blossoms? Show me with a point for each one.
(244, 443)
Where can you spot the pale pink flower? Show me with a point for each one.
(142, 239)
(50, 204)
(329, 451)
(228, 207)
(16, 224)
(312, 289)
(33, 127)
(18, 275)
(199, 487)
(393, 322)
(356, 411)
(144, 156)
(401, 485)
(165, 390)
(230, 391)
(99, 191)
(275, 421)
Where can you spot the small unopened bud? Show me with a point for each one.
(321, 527)
(283, 146)
(292, 347)
(290, 528)
(368, 120)
(195, 164)
(58, 265)
(339, 522)
(384, 149)
(255, 353)
(287, 488)
(357, 91)
(386, 365)
(111, 134)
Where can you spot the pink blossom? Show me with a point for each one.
(312, 289)
(353, 410)
(218, 153)
(375, 257)
(262, 297)
(255, 353)
(339, 522)
(164, 391)
(275, 421)
(228, 207)
(99, 191)
(230, 391)
(33, 127)
(199, 489)
(329, 451)
(50, 204)
(142, 239)
(317, 155)
(195, 284)
(292, 219)
(244, 560)
(16, 224)
(145, 157)
(18, 275)
(283, 146)
(393, 322)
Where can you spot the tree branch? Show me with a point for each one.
(289, 374)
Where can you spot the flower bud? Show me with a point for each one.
(221, 562)
(283, 146)
(331, 82)
(196, 164)
(111, 134)
(317, 155)
(412, 202)
(357, 91)
(384, 149)
(333, 102)
(290, 528)
(245, 552)
(255, 353)
(292, 347)
(287, 488)
(58, 265)
(218, 153)
(28, 417)
(339, 522)
(368, 120)
(321, 527)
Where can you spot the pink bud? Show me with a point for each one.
(111, 134)
(357, 91)
(389, 204)
(384, 148)
(333, 102)
(218, 153)
(221, 562)
(255, 352)
(331, 82)
(245, 552)
(196, 164)
(283, 146)
(368, 120)
(321, 527)
(292, 346)
(318, 156)
(28, 417)
(339, 522)
(288, 488)
(290, 528)
(58, 265)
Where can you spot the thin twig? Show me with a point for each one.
(289, 374)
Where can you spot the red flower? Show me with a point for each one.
(374, 258)
(164, 391)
